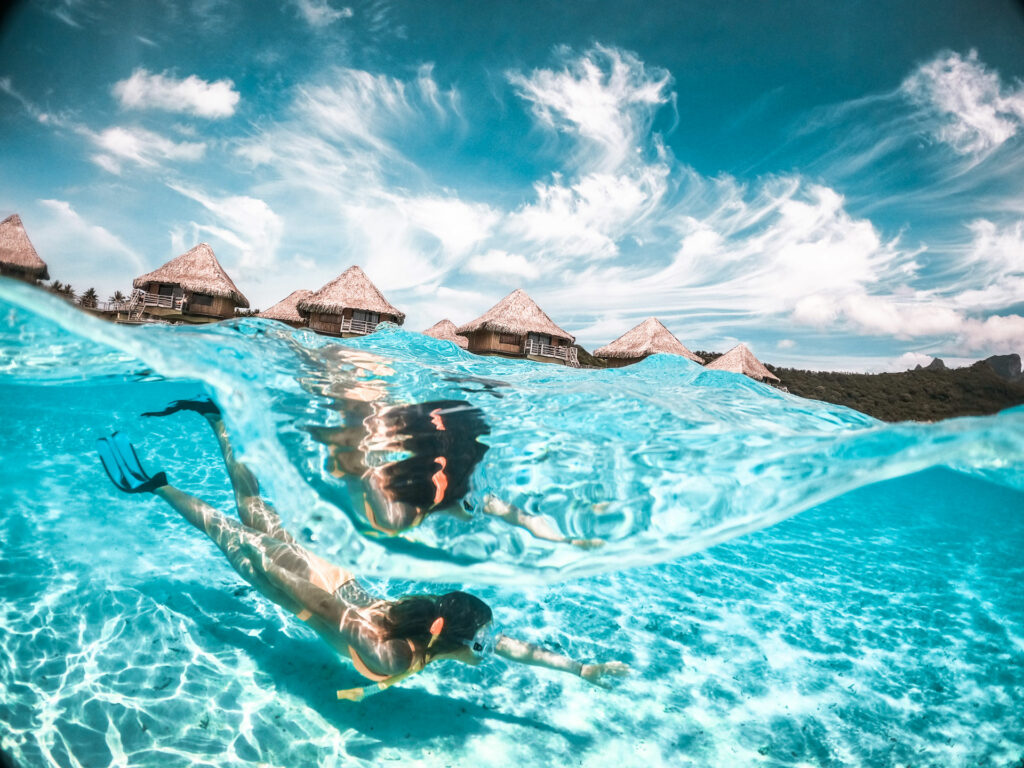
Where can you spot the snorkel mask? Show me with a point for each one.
(483, 640)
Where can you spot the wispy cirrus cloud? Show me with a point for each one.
(246, 223)
(972, 110)
(320, 13)
(605, 99)
(145, 90)
(119, 145)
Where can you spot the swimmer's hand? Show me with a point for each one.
(596, 674)
(358, 694)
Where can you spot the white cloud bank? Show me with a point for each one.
(191, 95)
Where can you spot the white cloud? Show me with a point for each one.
(246, 223)
(144, 148)
(991, 275)
(353, 106)
(973, 111)
(320, 13)
(587, 219)
(994, 335)
(82, 253)
(192, 95)
(607, 97)
(785, 344)
(502, 263)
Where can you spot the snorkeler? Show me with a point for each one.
(386, 640)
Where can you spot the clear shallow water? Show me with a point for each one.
(883, 627)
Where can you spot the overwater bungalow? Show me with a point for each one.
(517, 327)
(349, 305)
(446, 331)
(740, 359)
(190, 288)
(287, 309)
(18, 257)
(648, 338)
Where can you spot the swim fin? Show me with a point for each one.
(123, 466)
(202, 405)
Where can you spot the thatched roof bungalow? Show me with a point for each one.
(192, 287)
(517, 327)
(287, 309)
(18, 257)
(740, 359)
(445, 330)
(648, 338)
(349, 305)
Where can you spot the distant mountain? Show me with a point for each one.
(935, 365)
(1006, 366)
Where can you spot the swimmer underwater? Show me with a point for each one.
(387, 641)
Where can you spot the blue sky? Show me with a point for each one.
(840, 185)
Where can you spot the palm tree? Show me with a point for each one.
(67, 292)
(117, 298)
(56, 286)
(89, 298)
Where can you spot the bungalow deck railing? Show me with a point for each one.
(347, 325)
(161, 302)
(568, 354)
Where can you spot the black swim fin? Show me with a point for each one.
(123, 466)
(202, 405)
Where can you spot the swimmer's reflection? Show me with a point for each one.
(386, 640)
(401, 463)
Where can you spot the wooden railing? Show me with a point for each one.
(347, 325)
(568, 354)
(162, 302)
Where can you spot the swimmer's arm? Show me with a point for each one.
(535, 524)
(528, 653)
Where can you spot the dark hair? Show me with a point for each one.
(410, 619)
(416, 430)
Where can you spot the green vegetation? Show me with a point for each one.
(927, 394)
(89, 298)
(922, 395)
(587, 360)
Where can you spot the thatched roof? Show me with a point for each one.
(445, 330)
(519, 314)
(198, 271)
(287, 310)
(739, 359)
(16, 249)
(351, 289)
(648, 338)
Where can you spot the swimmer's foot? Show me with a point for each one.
(202, 405)
(123, 466)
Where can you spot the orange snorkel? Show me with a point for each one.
(435, 631)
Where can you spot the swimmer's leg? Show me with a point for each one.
(254, 511)
(251, 553)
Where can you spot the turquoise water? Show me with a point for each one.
(883, 625)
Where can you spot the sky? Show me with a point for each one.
(839, 185)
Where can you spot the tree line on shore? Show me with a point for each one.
(88, 298)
